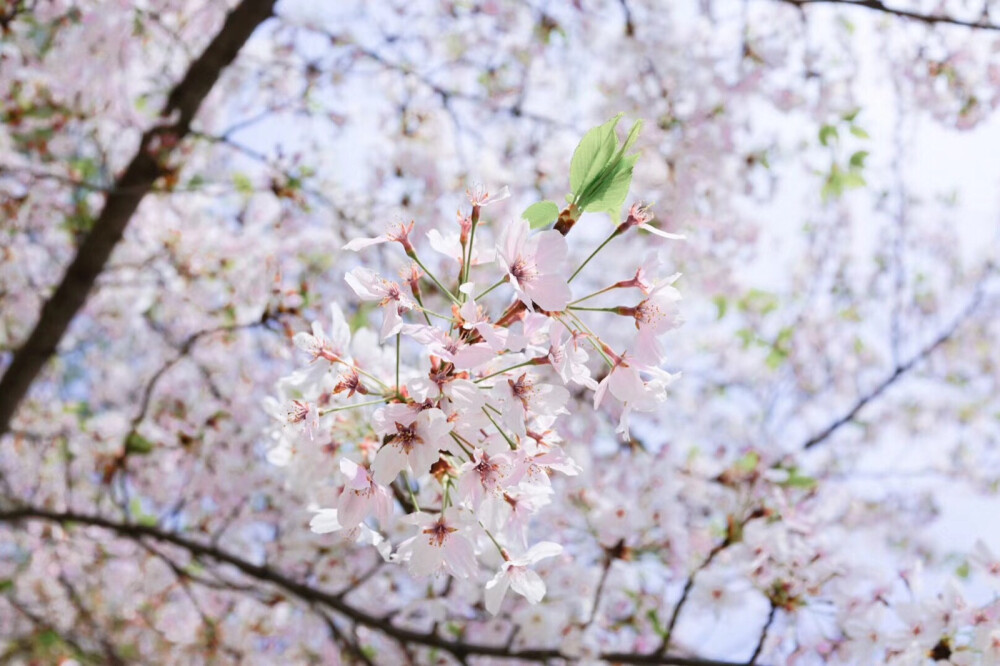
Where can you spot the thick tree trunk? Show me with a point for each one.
(129, 189)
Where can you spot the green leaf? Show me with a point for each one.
(137, 444)
(721, 305)
(831, 190)
(593, 154)
(852, 114)
(48, 639)
(748, 462)
(541, 214)
(963, 570)
(6, 585)
(746, 336)
(858, 132)
(758, 301)
(243, 183)
(853, 180)
(609, 196)
(633, 135)
(858, 159)
(360, 317)
(654, 619)
(775, 358)
(141, 517)
(796, 479)
(827, 133)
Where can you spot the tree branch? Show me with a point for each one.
(313, 595)
(877, 5)
(763, 635)
(900, 369)
(688, 586)
(149, 163)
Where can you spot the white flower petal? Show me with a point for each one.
(325, 522)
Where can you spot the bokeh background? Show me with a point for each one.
(832, 168)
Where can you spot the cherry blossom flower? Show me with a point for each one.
(515, 574)
(479, 196)
(524, 395)
(397, 232)
(654, 316)
(298, 417)
(369, 286)
(635, 393)
(485, 476)
(451, 348)
(474, 318)
(362, 496)
(513, 515)
(450, 245)
(319, 345)
(441, 545)
(985, 560)
(534, 265)
(639, 216)
(325, 521)
(568, 358)
(414, 444)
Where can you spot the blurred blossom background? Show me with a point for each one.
(820, 485)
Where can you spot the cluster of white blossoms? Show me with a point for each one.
(459, 432)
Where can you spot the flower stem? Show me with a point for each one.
(500, 372)
(434, 279)
(592, 338)
(596, 293)
(467, 264)
(510, 442)
(366, 374)
(458, 440)
(593, 254)
(423, 310)
(346, 407)
(498, 283)
(493, 539)
(580, 307)
(409, 488)
(446, 502)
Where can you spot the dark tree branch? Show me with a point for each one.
(763, 635)
(877, 5)
(688, 585)
(629, 23)
(340, 639)
(900, 370)
(334, 602)
(84, 614)
(183, 351)
(149, 163)
(40, 623)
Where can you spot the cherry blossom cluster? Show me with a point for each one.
(455, 417)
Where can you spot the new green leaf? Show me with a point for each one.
(541, 214)
(136, 443)
(609, 196)
(593, 154)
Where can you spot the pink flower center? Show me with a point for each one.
(298, 412)
(439, 532)
(407, 436)
(522, 389)
(648, 313)
(523, 271)
(489, 472)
